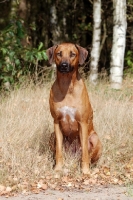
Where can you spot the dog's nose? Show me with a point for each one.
(64, 66)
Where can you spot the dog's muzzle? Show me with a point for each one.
(65, 67)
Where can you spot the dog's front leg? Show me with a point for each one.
(59, 141)
(83, 128)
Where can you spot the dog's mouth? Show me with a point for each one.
(65, 68)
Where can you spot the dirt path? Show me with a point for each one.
(99, 193)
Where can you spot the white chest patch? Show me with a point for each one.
(70, 111)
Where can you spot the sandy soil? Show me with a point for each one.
(98, 193)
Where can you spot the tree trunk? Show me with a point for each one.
(23, 10)
(95, 52)
(119, 39)
(55, 29)
(23, 16)
(33, 17)
(131, 37)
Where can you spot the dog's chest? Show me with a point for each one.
(67, 119)
(66, 112)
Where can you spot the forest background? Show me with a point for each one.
(28, 28)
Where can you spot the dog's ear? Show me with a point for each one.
(83, 53)
(50, 54)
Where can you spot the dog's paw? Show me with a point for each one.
(58, 168)
(85, 170)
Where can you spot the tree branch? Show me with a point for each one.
(91, 1)
(4, 1)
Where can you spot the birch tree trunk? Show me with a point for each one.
(95, 52)
(119, 39)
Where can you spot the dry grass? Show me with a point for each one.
(26, 124)
(113, 119)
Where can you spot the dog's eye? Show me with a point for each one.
(59, 54)
(72, 54)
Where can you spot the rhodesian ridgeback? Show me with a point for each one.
(70, 106)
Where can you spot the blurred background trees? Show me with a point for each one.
(28, 28)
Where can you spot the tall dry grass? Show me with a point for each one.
(113, 119)
(26, 125)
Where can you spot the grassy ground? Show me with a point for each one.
(26, 162)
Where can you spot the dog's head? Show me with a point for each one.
(67, 56)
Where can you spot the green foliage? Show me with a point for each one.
(129, 62)
(17, 60)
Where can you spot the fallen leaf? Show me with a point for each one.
(76, 186)
(65, 178)
(93, 181)
(8, 189)
(48, 177)
(2, 188)
(39, 185)
(69, 185)
(86, 182)
(44, 186)
(115, 180)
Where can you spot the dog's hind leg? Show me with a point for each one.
(94, 147)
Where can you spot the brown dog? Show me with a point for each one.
(70, 105)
